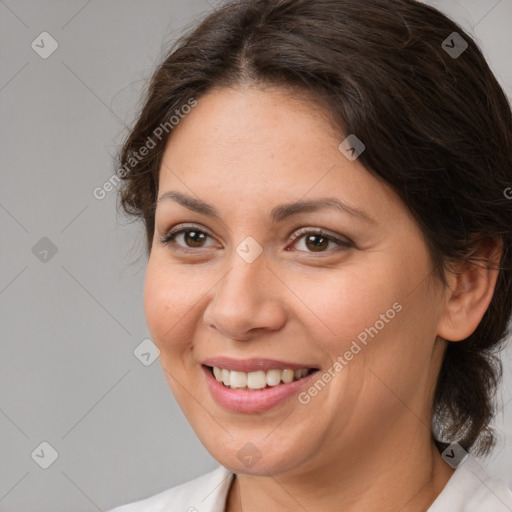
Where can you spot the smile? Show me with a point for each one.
(254, 386)
(258, 379)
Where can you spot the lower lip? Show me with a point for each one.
(242, 400)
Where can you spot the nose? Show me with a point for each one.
(247, 301)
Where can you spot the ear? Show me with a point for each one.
(469, 292)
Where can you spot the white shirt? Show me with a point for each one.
(470, 489)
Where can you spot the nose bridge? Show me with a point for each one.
(247, 271)
(242, 285)
(247, 267)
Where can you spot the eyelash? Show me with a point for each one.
(169, 238)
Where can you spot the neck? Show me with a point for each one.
(408, 477)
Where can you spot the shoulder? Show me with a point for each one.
(471, 489)
(206, 493)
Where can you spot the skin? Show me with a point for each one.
(364, 442)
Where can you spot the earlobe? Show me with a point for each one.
(469, 292)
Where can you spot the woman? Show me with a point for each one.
(323, 186)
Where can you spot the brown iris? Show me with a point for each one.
(194, 237)
(319, 242)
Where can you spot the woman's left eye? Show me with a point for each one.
(318, 239)
(314, 240)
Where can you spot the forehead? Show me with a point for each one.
(241, 144)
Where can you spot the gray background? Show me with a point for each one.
(70, 324)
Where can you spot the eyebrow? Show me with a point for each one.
(278, 213)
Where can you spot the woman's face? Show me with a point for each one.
(257, 287)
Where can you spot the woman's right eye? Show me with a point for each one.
(191, 237)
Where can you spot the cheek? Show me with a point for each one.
(346, 302)
(168, 306)
(376, 311)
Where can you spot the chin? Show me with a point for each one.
(259, 457)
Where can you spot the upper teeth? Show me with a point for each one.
(258, 379)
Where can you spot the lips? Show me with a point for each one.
(255, 364)
(264, 396)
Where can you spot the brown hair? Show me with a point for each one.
(437, 127)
